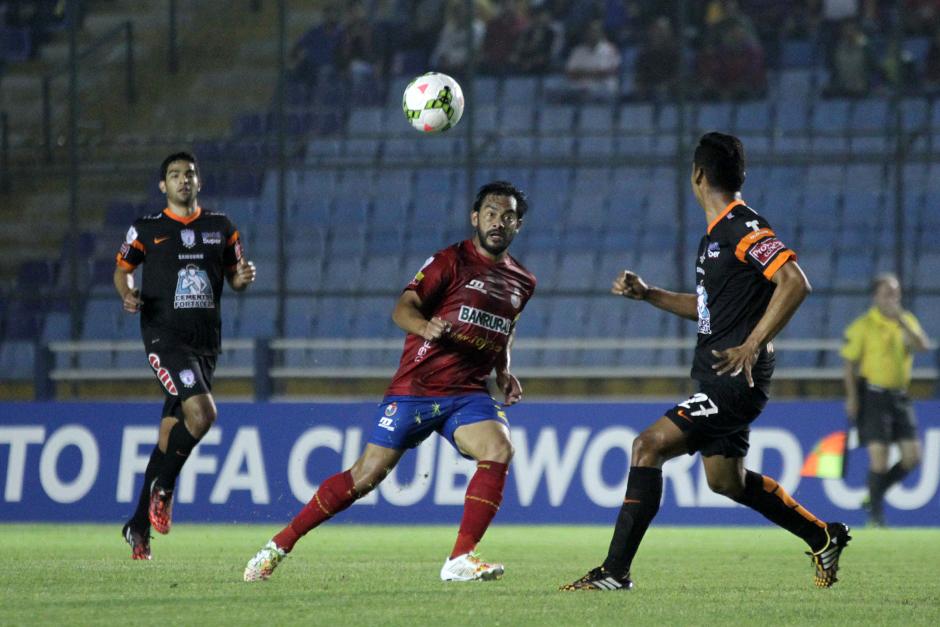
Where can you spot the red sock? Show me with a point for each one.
(333, 496)
(484, 494)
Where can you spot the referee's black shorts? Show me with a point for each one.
(885, 416)
(717, 419)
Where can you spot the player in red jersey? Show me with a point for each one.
(460, 312)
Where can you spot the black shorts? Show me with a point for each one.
(717, 420)
(181, 375)
(885, 416)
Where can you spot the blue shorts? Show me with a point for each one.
(406, 421)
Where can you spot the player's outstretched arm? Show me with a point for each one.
(408, 316)
(630, 285)
(243, 275)
(505, 380)
(792, 288)
(130, 295)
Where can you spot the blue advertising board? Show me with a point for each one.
(261, 461)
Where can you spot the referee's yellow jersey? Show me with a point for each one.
(876, 343)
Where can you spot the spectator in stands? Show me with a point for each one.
(427, 19)
(733, 66)
(878, 353)
(593, 67)
(534, 52)
(450, 53)
(921, 16)
(897, 69)
(932, 65)
(390, 33)
(503, 31)
(357, 55)
(576, 17)
(316, 55)
(851, 64)
(656, 69)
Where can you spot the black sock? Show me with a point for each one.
(640, 505)
(140, 520)
(896, 474)
(179, 445)
(766, 496)
(877, 486)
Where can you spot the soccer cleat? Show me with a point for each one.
(469, 567)
(140, 542)
(264, 562)
(600, 579)
(826, 560)
(161, 508)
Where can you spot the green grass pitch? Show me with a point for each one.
(371, 575)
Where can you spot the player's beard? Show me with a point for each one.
(493, 249)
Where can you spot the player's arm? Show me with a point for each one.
(792, 288)
(630, 285)
(124, 284)
(850, 380)
(505, 380)
(409, 317)
(242, 275)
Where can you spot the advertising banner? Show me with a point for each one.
(84, 462)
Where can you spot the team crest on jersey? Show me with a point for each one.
(193, 290)
(391, 409)
(189, 237)
(704, 316)
(515, 298)
(187, 378)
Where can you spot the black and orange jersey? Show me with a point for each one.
(737, 258)
(185, 262)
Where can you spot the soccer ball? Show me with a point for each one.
(433, 102)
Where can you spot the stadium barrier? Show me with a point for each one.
(262, 461)
(258, 359)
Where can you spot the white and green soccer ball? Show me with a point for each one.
(433, 102)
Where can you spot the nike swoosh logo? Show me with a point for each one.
(160, 240)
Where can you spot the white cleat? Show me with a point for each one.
(264, 562)
(469, 567)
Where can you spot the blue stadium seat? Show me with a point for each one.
(794, 86)
(372, 317)
(544, 265)
(635, 118)
(57, 326)
(366, 120)
(101, 319)
(791, 123)
(914, 113)
(927, 272)
(516, 118)
(843, 310)
(587, 210)
(797, 53)
(576, 271)
(862, 208)
(257, 316)
(343, 273)
(262, 241)
(925, 307)
(715, 116)
(300, 316)
(567, 317)
(304, 274)
(384, 272)
(820, 207)
(17, 359)
(752, 117)
(854, 270)
(556, 122)
(324, 148)
(817, 264)
(519, 90)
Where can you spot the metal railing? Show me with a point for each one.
(260, 366)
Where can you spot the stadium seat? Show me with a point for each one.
(299, 316)
(854, 270)
(862, 208)
(715, 116)
(793, 86)
(17, 359)
(817, 264)
(914, 113)
(372, 317)
(555, 124)
(257, 316)
(304, 274)
(519, 89)
(544, 265)
(791, 123)
(365, 121)
(335, 317)
(842, 310)
(384, 273)
(346, 241)
(57, 326)
(567, 317)
(101, 319)
(927, 272)
(576, 271)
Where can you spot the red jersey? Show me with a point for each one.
(481, 299)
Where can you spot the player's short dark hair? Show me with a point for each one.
(177, 156)
(503, 188)
(721, 156)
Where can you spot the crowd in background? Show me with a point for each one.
(727, 45)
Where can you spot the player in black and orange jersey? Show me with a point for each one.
(748, 285)
(460, 313)
(186, 252)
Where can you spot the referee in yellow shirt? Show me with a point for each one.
(879, 355)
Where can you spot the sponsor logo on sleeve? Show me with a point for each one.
(714, 249)
(131, 235)
(764, 250)
(484, 319)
